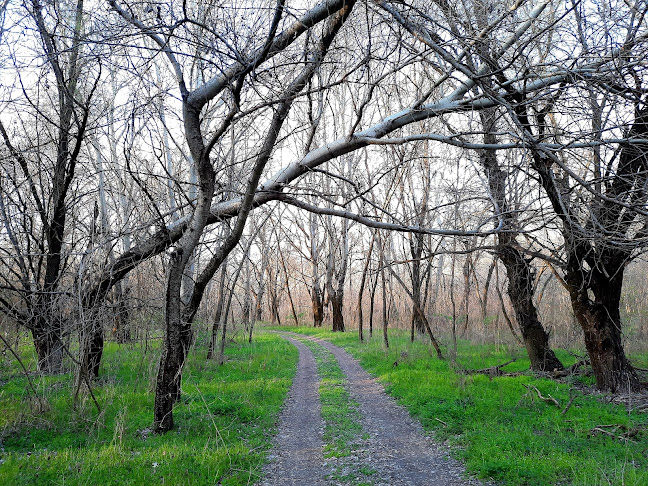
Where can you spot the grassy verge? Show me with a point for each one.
(495, 426)
(343, 434)
(224, 423)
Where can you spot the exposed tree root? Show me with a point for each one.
(573, 370)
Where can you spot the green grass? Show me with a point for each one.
(224, 423)
(493, 426)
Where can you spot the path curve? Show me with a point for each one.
(297, 458)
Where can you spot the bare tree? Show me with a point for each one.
(40, 170)
(178, 321)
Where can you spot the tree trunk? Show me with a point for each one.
(317, 297)
(520, 291)
(218, 312)
(247, 301)
(454, 304)
(336, 299)
(221, 354)
(384, 310)
(601, 322)
(273, 296)
(518, 269)
(49, 349)
(178, 334)
(384, 294)
(466, 297)
(121, 327)
(372, 301)
(417, 323)
(95, 349)
(317, 302)
(265, 259)
(167, 389)
(363, 282)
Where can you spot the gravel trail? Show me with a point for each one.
(395, 446)
(297, 458)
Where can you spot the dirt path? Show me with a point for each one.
(298, 459)
(395, 447)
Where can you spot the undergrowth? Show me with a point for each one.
(224, 422)
(496, 426)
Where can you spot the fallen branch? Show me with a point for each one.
(572, 370)
(576, 365)
(569, 404)
(493, 370)
(548, 398)
(629, 434)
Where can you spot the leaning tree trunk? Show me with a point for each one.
(167, 389)
(518, 269)
(178, 332)
(520, 291)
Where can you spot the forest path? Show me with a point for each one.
(393, 446)
(297, 458)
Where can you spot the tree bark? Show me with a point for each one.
(218, 312)
(372, 301)
(384, 295)
(518, 269)
(363, 282)
(416, 250)
(520, 291)
(317, 297)
(597, 312)
(317, 302)
(595, 266)
(49, 348)
(336, 299)
(335, 281)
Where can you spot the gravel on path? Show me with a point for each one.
(396, 447)
(297, 458)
